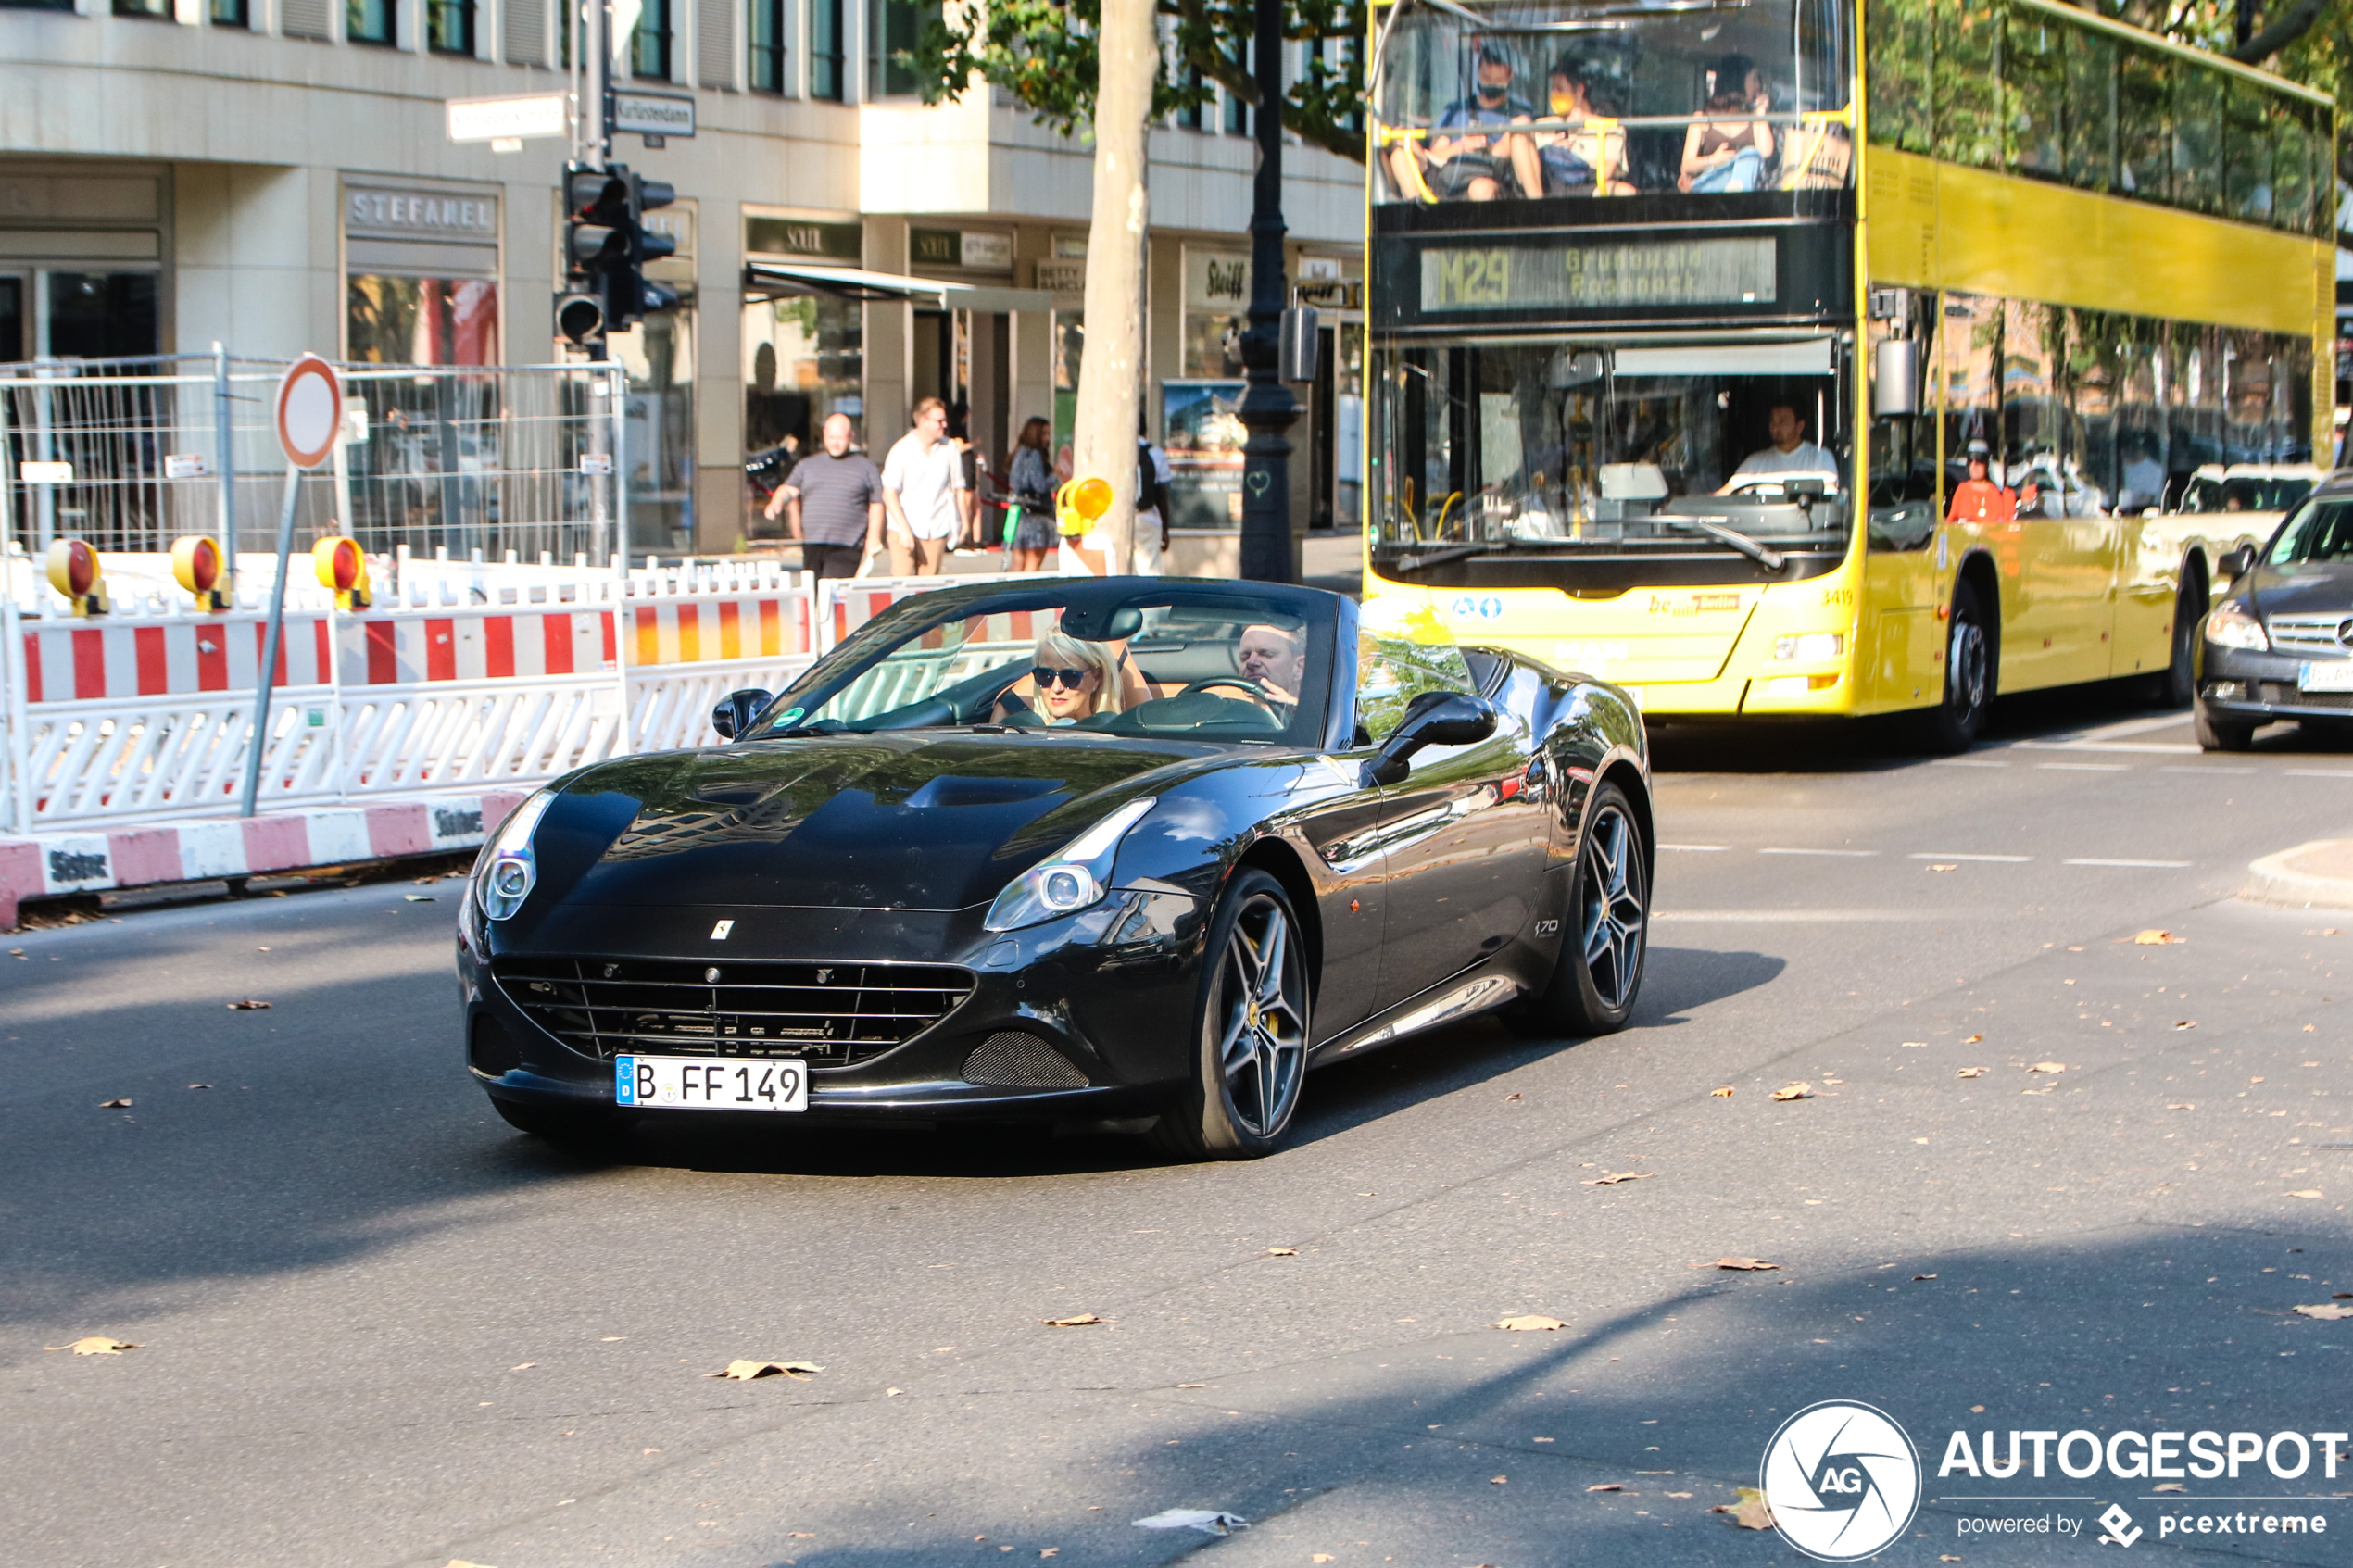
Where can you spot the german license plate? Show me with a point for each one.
(700, 1083)
(2329, 677)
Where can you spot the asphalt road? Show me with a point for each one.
(376, 1327)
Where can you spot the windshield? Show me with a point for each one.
(1207, 664)
(1564, 445)
(2319, 531)
(1702, 97)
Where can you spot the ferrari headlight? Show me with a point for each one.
(1068, 881)
(2230, 626)
(508, 870)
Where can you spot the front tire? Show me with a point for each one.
(1606, 937)
(1955, 724)
(1250, 1030)
(2215, 734)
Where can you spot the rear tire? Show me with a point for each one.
(1955, 724)
(1605, 933)
(567, 1126)
(2219, 734)
(1250, 1030)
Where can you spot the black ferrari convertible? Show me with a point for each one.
(1124, 852)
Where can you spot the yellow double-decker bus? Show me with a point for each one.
(1818, 356)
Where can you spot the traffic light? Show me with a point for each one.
(596, 240)
(629, 296)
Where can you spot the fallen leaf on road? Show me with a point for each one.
(2181, 1105)
(2169, 1487)
(96, 1345)
(522, 1366)
(892, 1393)
(461, 1562)
(1621, 1176)
(1282, 1252)
(1514, 1099)
(16, 952)
(1748, 1266)
(417, 897)
(1049, 1551)
(1209, 1521)
(1970, 1072)
(1499, 1480)
(1795, 1091)
(1084, 1319)
(1192, 1385)
(251, 1004)
(1751, 1512)
(2186, 1023)
(2307, 1192)
(2154, 938)
(1724, 1093)
(1917, 1278)
(200, 1086)
(744, 1372)
(2048, 1067)
(1947, 866)
(1320, 1557)
(2327, 1312)
(1608, 1486)
(114, 1105)
(1973, 1039)
(1529, 1323)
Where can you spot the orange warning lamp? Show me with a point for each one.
(342, 566)
(73, 571)
(1080, 503)
(196, 563)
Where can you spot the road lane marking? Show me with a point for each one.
(2207, 769)
(2131, 727)
(1857, 854)
(2319, 773)
(1821, 917)
(2144, 865)
(1964, 762)
(2083, 767)
(2098, 746)
(1989, 859)
(1698, 848)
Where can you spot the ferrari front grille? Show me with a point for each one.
(830, 1015)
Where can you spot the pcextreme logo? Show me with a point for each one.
(1844, 1480)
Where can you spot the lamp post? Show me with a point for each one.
(1268, 408)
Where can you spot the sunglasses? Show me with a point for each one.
(1073, 679)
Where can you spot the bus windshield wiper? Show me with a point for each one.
(1763, 554)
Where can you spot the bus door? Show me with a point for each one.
(1908, 560)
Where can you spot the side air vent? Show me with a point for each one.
(492, 1049)
(1012, 1060)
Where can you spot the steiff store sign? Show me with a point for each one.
(1216, 281)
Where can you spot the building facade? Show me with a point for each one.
(276, 176)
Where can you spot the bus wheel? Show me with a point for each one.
(2178, 683)
(1953, 725)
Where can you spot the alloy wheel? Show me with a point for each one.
(1611, 925)
(1262, 1041)
(1965, 688)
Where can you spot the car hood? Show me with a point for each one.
(915, 820)
(2305, 588)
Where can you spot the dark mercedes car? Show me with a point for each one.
(1124, 852)
(2280, 644)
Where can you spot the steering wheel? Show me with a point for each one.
(1243, 682)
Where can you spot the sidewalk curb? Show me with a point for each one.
(204, 848)
(2276, 880)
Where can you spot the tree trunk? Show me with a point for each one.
(1111, 367)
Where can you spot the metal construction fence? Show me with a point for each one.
(131, 718)
(129, 455)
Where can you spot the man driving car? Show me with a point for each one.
(1276, 659)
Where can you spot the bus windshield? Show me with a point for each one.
(1568, 445)
(1704, 97)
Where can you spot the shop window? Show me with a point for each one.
(12, 319)
(767, 32)
(825, 77)
(1968, 79)
(371, 21)
(231, 13)
(2143, 125)
(102, 316)
(449, 26)
(1898, 75)
(159, 10)
(893, 28)
(36, 4)
(650, 46)
(422, 320)
(2090, 110)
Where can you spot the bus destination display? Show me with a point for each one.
(1673, 272)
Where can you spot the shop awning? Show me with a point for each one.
(772, 280)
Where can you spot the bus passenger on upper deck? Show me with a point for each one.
(1569, 158)
(1791, 452)
(1474, 165)
(1978, 498)
(1722, 155)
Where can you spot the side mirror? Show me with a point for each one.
(1435, 719)
(736, 710)
(2235, 563)
(1896, 378)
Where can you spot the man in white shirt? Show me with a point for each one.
(1791, 452)
(923, 492)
